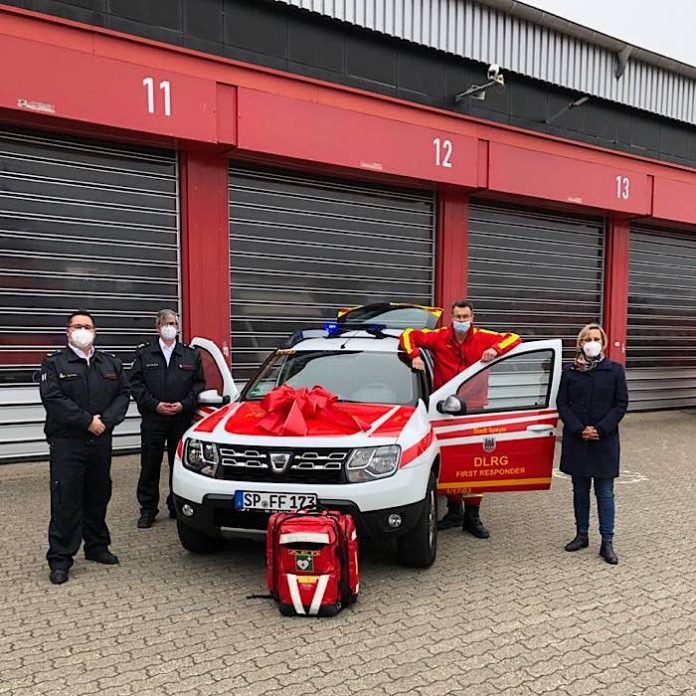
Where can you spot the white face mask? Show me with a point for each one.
(461, 326)
(82, 338)
(592, 348)
(168, 332)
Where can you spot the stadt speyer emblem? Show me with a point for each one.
(488, 444)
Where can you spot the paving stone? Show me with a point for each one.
(510, 616)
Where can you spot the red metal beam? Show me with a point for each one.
(304, 130)
(205, 247)
(452, 248)
(616, 286)
(541, 175)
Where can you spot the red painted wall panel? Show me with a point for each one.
(306, 130)
(205, 247)
(675, 200)
(59, 82)
(535, 174)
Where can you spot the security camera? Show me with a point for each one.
(495, 79)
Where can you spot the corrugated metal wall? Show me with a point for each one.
(490, 35)
(83, 225)
(535, 273)
(661, 340)
(303, 246)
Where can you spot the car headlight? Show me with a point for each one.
(370, 463)
(201, 457)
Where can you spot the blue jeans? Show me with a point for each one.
(604, 491)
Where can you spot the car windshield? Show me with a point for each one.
(357, 376)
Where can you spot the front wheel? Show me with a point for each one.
(196, 542)
(418, 548)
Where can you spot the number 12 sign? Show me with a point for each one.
(443, 152)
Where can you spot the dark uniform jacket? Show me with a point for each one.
(72, 392)
(152, 381)
(598, 398)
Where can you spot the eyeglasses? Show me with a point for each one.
(89, 327)
(169, 323)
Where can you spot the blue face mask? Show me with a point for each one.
(461, 326)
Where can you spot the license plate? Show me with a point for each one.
(273, 502)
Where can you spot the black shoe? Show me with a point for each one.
(454, 516)
(58, 575)
(472, 523)
(145, 520)
(606, 551)
(103, 556)
(581, 541)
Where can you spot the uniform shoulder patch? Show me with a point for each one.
(53, 353)
(141, 345)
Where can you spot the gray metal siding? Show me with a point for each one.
(661, 340)
(535, 273)
(301, 247)
(83, 225)
(501, 33)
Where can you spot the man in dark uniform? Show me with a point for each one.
(166, 379)
(85, 393)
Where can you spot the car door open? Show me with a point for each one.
(220, 388)
(496, 422)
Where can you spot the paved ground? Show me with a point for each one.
(513, 615)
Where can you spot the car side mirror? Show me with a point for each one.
(211, 397)
(452, 405)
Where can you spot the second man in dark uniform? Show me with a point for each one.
(166, 379)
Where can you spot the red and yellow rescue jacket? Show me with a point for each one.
(450, 356)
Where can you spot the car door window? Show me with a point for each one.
(213, 377)
(516, 383)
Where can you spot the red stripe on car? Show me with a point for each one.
(209, 423)
(498, 429)
(416, 450)
(492, 416)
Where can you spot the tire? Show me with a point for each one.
(418, 548)
(196, 542)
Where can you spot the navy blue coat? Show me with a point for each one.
(597, 398)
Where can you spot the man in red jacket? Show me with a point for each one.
(454, 348)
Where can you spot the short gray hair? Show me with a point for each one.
(163, 314)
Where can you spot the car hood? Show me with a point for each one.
(349, 425)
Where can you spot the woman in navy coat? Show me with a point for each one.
(592, 400)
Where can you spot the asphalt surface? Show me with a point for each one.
(512, 615)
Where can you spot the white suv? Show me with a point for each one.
(382, 451)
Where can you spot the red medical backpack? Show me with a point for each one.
(312, 562)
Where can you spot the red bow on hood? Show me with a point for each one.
(288, 411)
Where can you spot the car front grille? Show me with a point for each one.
(265, 464)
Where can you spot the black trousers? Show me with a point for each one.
(156, 435)
(80, 492)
